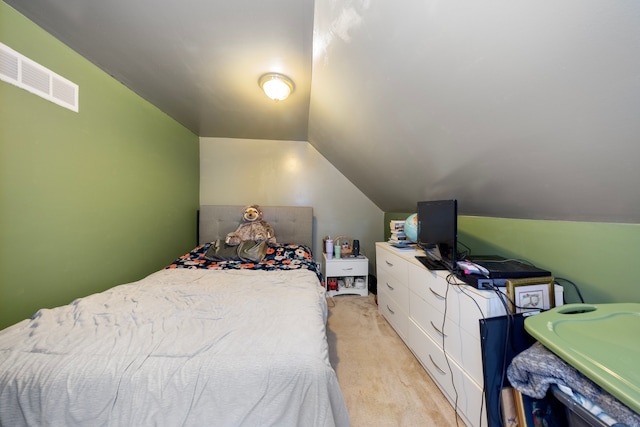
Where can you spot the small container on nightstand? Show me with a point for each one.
(348, 270)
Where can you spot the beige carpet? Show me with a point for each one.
(382, 382)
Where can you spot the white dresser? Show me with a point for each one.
(439, 323)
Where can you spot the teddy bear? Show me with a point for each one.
(253, 227)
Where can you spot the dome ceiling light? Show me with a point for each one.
(277, 86)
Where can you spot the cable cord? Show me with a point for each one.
(462, 288)
(444, 351)
(501, 295)
(462, 255)
(572, 284)
(505, 301)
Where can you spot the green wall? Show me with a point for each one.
(598, 257)
(88, 200)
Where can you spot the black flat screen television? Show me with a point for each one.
(437, 231)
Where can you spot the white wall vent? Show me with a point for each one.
(20, 71)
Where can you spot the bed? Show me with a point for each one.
(198, 343)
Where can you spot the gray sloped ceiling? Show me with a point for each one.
(522, 109)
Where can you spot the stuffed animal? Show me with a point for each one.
(253, 227)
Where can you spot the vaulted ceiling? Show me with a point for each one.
(521, 109)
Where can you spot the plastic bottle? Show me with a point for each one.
(329, 247)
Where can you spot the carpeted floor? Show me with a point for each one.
(382, 382)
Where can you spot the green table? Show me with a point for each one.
(602, 341)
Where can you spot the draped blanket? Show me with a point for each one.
(181, 347)
(279, 256)
(534, 370)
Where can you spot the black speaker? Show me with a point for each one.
(356, 247)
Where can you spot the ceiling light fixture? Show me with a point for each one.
(277, 86)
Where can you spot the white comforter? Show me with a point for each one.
(180, 347)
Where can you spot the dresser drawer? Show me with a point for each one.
(392, 263)
(429, 286)
(395, 289)
(459, 344)
(347, 267)
(431, 357)
(428, 318)
(464, 305)
(449, 376)
(394, 314)
(468, 305)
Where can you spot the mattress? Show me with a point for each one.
(183, 346)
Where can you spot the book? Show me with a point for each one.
(395, 224)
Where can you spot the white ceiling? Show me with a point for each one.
(198, 61)
(522, 109)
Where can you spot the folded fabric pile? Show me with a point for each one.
(534, 370)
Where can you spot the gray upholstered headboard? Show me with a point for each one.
(292, 224)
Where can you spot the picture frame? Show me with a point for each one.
(510, 412)
(530, 294)
(520, 410)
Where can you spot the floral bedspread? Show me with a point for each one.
(279, 257)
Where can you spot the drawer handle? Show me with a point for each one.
(390, 264)
(436, 294)
(347, 269)
(442, 334)
(437, 367)
(389, 308)
(389, 286)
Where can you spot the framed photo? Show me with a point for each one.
(531, 294)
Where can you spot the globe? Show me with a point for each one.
(411, 227)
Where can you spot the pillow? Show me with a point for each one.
(246, 251)
(280, 252)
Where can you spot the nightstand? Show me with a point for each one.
(351, 273)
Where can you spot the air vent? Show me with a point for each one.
(20, 71)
